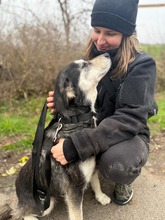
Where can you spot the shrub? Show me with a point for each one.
(31, 59)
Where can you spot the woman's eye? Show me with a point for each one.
(110, 34)
(96, 31)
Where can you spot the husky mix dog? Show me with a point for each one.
(75, 95)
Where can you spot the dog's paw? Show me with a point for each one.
(103, 199)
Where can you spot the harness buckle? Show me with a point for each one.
(42, 195)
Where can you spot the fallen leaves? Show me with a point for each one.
(14, 169)
(23, 160)
(10, 172)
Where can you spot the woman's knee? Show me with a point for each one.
(119, 171)
(122, 163)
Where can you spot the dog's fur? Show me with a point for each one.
(75, 90)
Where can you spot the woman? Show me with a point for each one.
(125, 96)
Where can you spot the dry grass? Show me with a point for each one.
(31, 59)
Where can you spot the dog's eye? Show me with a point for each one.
(85, 64)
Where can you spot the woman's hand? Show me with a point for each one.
(50, 101)
(57, 152)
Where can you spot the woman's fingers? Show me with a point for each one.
(50, 105)
(50, 101)
(51, 93)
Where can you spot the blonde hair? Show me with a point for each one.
(125, 54)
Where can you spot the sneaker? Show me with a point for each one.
(122, 194)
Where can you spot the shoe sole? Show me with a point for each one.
(124, 203)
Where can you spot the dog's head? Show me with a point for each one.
(75, 85)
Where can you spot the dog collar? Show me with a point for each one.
(77, 118)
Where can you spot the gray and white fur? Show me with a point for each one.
(75, 88)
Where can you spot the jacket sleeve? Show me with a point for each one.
(130, 117)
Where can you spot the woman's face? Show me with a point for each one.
(106, 39)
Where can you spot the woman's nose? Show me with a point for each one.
(101, 39)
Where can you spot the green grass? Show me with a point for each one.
(19, 121)
(13, 125)
(157, 122)
(22, 144)
(156, 51)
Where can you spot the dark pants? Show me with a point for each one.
(122, 162)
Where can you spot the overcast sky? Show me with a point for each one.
(150, 21)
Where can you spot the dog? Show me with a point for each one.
(75, 96)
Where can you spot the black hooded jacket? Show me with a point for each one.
(122, 115)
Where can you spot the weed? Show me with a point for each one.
(157, 122)
(21, 121)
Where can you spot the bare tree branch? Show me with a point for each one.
(68, 16)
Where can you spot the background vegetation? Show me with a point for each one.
(30, 59)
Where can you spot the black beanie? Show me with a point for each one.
(118, 15)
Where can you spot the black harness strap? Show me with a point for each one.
(41, 195)
(78, 118)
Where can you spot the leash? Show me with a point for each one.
(41, 194)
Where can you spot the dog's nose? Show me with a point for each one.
(106, 55)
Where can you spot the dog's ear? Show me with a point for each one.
(68, 92)
(64, 93)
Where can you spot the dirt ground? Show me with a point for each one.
(9, 161)
(150, 183)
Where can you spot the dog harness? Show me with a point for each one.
(41, 194)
